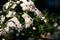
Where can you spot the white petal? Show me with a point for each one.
(17, 23)
(27, 25)
(27, 20)
(42, 18)
(11, 13)
(11, 24)
(14, 5)
(6, 29)
(24, 6)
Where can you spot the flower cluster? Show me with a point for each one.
(12, 22)
(28, 20)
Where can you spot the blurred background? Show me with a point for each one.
(51, 5)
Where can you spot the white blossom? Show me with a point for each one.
(45, 20)
(34, 28)
(27, 5)
(28, 20)
(31, 6)
(38, 13)
(11, 14)
(25, 15)
(24, 6)
(14, 22)
(6, 5)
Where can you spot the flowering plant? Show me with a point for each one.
(22, 19)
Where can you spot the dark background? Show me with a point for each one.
(52, 5)
(2, 2)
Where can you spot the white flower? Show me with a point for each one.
(45, 20)
(20, 26)
(6, 5)
(55, 24)
(38, 13)
(25, 15)
(31, 2)
(31, 6)
(14, 22)
(24, 6)
(11, 14)
(27, 20)
(14, 5)
(27, 5)
(34, 28)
